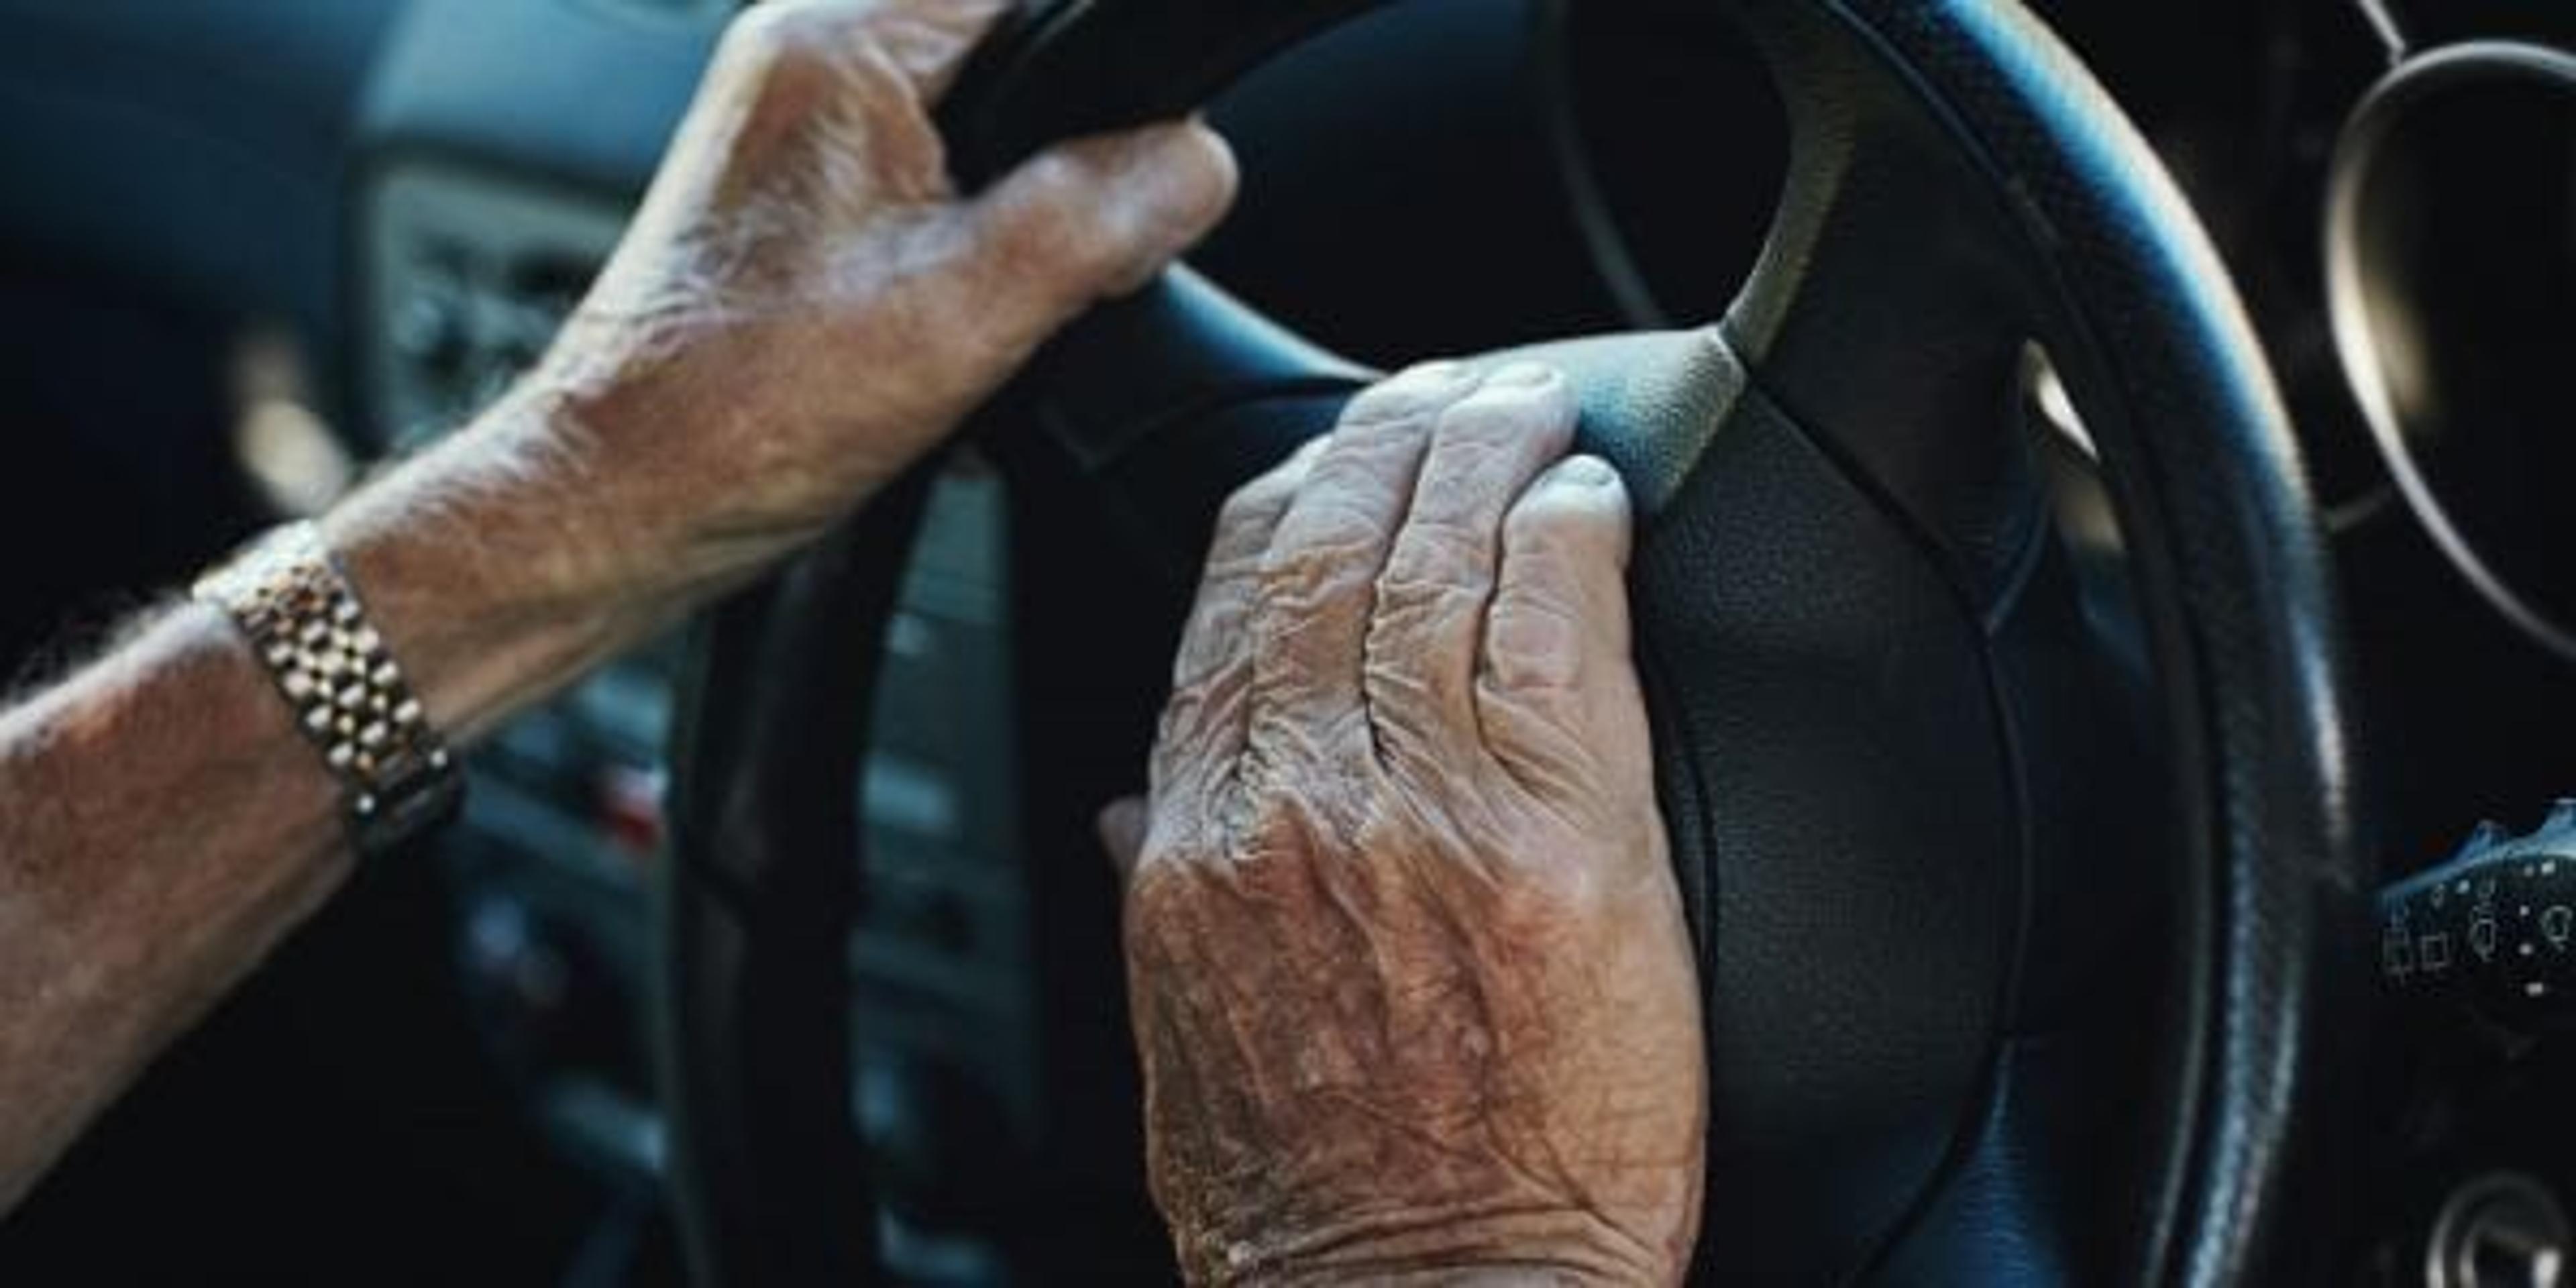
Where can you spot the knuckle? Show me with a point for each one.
(1315, 578)
(1416, 395)
(1477, 453)
(1380, 413)
(1055, 175)
(1255, 505)
(1367, 457)
(789, 59)
(1409, 619)
(1330, 553)
(1511, 413)
(1301, 747)
(1284, 804)
(1056, 234)
(1207, 189)
(1488, 415)
(1213, 635)
(1441, 554)
(1375, 405)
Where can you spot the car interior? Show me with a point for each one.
(2105, 602)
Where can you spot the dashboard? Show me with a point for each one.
(417, 193)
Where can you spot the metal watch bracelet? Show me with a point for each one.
(308, 628)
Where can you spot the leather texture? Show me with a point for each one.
(753, 1053)
(2267, 886)
(2002, 986)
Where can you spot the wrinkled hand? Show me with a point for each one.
(1411, 984)
(804, 306)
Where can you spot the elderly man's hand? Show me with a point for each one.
(804, 305)
(802, 308)
(1412, 987)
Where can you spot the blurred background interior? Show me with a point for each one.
(248, 246)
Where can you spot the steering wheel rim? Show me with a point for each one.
(1998, 195)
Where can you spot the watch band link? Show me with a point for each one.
(308, 628)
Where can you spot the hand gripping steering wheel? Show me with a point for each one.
(1962, 1029)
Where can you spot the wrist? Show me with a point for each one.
(496, 567)
(714, 440)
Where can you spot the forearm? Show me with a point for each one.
(163, 823)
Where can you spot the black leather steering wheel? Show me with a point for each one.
(1968, 1022)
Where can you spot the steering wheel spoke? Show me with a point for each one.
(1890, 309)
(1210, 356)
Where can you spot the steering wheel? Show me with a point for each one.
(1968, 1022)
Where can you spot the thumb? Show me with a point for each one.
(1097, 217)
(1122, 833)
